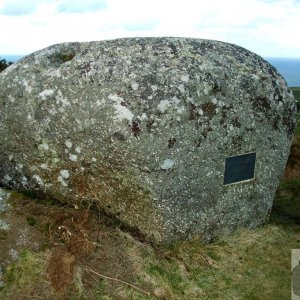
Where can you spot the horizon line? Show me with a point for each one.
(266, 57)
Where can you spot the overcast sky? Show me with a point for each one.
(268, 27)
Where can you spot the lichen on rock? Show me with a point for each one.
(4, 196)
(142, 128)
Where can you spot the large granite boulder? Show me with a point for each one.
(174, 137)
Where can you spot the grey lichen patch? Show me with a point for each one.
(4, 196)
(167, 164)
(4, 207)
(4, 225)
(63, 177)
(142, 128)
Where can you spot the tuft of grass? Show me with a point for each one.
(24, 276)
(169, 275)
(67, 55)
(31, 220)
(29, 267)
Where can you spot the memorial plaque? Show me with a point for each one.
(239, 168)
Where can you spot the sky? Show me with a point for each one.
(269, 28)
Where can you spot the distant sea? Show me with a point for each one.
(289, 68)
(12, 58)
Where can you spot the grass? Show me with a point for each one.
(31, 220)
(286, 208)
(249, 265)
(297, 131)
(296, 91)
(28, 267)
(25, 276)
(252, 264)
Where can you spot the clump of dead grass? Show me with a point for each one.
(70, 241)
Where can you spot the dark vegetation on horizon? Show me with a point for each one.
(4, 64)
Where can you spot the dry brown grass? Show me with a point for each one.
(61, 270)
(78, 251)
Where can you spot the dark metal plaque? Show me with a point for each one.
(239, 168)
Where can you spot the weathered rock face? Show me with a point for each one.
(177, 137)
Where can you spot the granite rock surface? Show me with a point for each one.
(142, 129)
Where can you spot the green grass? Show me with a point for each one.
(24, 276)
(296, 91)
(286, 208)
(28, 266)
(297, 131)
(252, 264)
(31, 220)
